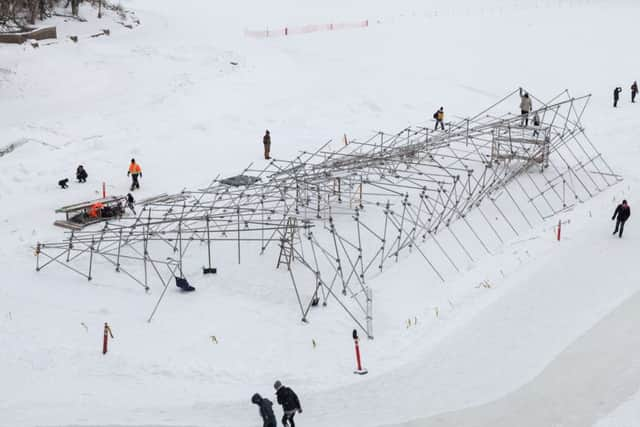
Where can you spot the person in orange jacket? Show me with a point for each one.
(95, 210)
(135, 172)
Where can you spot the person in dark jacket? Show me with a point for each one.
(622, 213)
(131, 203)
(266, 410)
(616, 96)
(81, 174)
(634, 91)
(266, 141)
(290, 403)
(439, 116)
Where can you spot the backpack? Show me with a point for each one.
(435, 115)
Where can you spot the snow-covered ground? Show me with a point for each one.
(551, 343)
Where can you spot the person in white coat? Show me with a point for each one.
(525, 108)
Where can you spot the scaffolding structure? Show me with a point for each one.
(334, 219)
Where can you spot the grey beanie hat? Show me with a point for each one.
(277, 384)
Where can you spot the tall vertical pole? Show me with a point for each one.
(208, 242)
(70, 246)
(384, 235)
(467, 139)
(119, 246)
(401, 228)
(263, 224)
(332, 230)
(90, 258)
(360, 255)
(146, 251)
(238, 234)
(369, 312)
(180, 246)
(38, 257)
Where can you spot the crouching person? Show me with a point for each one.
(81, 174)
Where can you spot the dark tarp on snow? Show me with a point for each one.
(238, 180)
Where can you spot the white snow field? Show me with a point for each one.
(552, 342)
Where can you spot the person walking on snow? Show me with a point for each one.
(439, 116)
(634, 91)
(266, 410)
(616, 96)
(525, 108)
(622, 212)
(81, 174)
(266, 141)
(135, 172)
(290, 403)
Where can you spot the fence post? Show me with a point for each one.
(107, 333)
(358, 371)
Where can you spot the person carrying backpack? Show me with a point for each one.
(290, 403)
(266, 410)
(439, 116)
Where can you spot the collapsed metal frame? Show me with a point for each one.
(339, 216)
